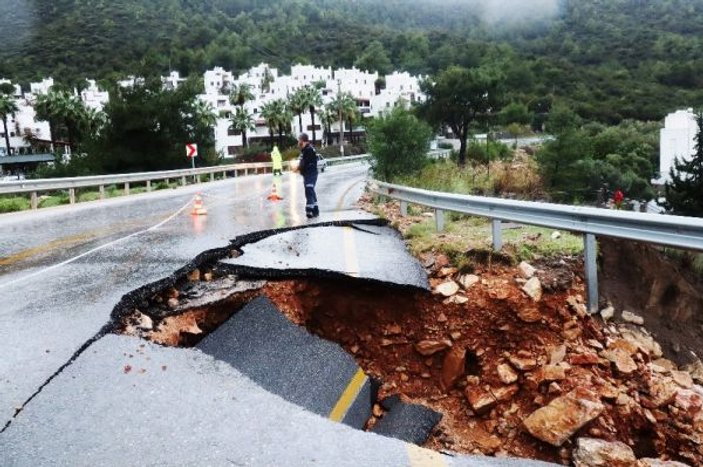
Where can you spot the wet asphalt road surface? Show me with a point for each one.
(63, 270)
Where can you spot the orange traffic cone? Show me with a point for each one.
(274, 194)
(198, 209)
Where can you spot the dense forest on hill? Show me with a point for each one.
(608, 59)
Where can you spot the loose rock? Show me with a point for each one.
(623, 362)
(591, 452)
(632, 318)
(523, 363)
(453, 367)
(194, 275)
(447, 289)
(469, 280)
(428, 348)
(683, 379)
(529, 315)
(558, 421)
(556, 235)
(533, 289)
(526, 270)
(607, 313)
(506, 373)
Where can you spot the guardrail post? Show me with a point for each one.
(148, 186)
(212, 176)
(497, 234)
(246, 172)
(101, 190)
(34, 200)
(126, 188)
(72, 195)
(183, 180)
(439, 219)
(404, 208)
(224, 175)
(590, 252)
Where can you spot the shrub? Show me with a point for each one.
(14, 204)
(399, 143)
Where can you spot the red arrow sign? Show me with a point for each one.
(191, 150)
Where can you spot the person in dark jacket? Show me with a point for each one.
(308, 169)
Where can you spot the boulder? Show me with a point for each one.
(592, 452)
(526, 270)
(506, 373)
(623, 362)
(447, 289)
(533, 289)
(529, 314)
(480, 399)
(523, 363)
(683, 379)
(662, 391)
(607, 313)
(564, 416)
(428, 347)
(469, 280)
(629, 317)
(453, 367)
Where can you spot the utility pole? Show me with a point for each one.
(341, 121)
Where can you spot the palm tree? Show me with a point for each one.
(244, 122)
(298, 104)
(344, 107)
(8, 107)
(269, 112)
(327, 117)
(313, 99)
(241, 94)
(61, 107)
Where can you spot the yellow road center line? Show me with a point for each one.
(421, 457)
(348, 396)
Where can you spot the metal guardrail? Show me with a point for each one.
(34, 187)
(676, 231)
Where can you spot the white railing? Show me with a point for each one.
(34, 187)
(676, 231)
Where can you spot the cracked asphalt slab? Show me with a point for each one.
(366, 251)
(287, 360)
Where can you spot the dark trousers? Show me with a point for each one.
(310, 181)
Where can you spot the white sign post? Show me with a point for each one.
(192, 153)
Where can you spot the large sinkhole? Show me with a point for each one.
(422, 350)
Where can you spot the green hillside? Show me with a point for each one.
(609, 59)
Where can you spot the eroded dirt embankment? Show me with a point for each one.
(665, 291)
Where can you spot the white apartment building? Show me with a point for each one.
(400, 88)
(42, 87)
(676, 140)
(93, 97)
(20, 127)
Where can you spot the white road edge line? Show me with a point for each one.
(98, 248)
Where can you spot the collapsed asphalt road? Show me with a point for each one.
(128, 389)
(63, 270)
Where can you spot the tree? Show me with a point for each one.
(684, 193)
(243, 121)
(313, 99)
(65, 113)
(297, 103)
(8, 107)
(240, 94)
(327, 117)
(344, 108)
(374, 58)
(398, 143)
(278, 117)
(148, 127)
(515, 112)
(459, 97)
